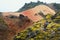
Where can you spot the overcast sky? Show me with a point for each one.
(14, 5)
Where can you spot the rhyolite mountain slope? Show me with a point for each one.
(47, 28)
(33, 13)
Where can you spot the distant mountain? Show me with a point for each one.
(54, 6)
(57, 6)
(30, 5)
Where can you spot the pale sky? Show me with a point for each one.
(14, 5)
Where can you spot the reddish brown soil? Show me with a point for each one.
(13, 28)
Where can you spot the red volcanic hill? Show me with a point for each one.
(31, 12)
(14, 24)
(41, 8)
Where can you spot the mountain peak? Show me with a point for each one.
(30, 5)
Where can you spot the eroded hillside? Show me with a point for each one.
(21, 20)
(31, 13)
